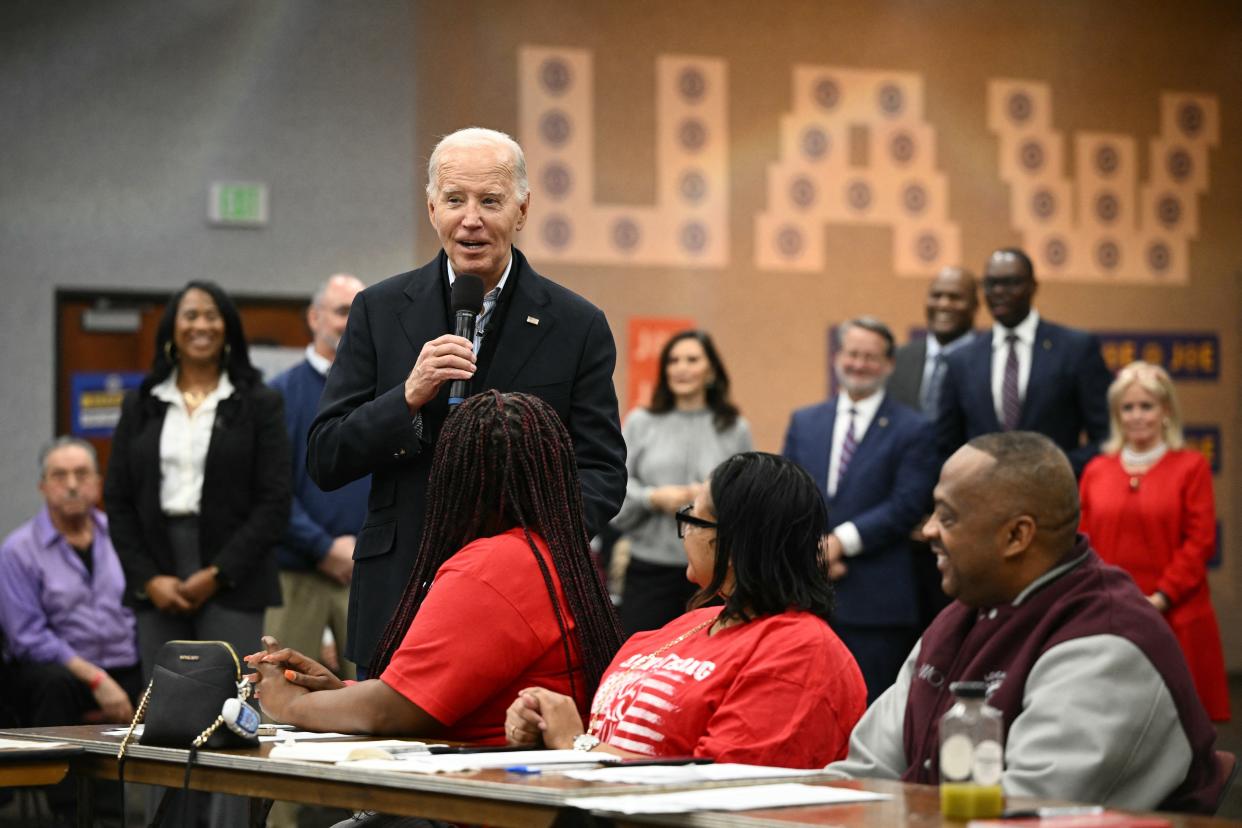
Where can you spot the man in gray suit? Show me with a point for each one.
(952, 299)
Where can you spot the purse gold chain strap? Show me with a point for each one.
(138, 714)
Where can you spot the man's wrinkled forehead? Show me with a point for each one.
(475, 166)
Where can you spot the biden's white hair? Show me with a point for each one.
(480, 137)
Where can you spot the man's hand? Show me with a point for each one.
(297, 669)
(338, 563)
(552, 714)
(834, 557)
(199, 587)
(165, 592)
(443, 359)
(113, 701)
(1159, 601)
(671, 498)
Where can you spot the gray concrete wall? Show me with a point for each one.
(118, 115)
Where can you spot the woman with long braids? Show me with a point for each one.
(762, 679)
(503, 594)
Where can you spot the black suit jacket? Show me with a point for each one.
(906, 382)
(551, 343)
(245, 501)
(885, 492)
(1066, 395)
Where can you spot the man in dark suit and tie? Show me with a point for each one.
(386, 396)
(1026, 373)
(952, 299)
(876, 460)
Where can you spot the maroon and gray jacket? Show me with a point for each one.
(1097, 701)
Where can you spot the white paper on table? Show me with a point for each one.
(681, 774)
(724, 799)
(318, 751)
(29, 744)
(121, 731)
(457, 762)
(311, 735)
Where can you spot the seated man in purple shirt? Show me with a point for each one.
(69, 643)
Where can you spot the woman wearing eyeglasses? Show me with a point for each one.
(690, 426)
(763, 679)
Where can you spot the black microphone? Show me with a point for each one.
(467, 301)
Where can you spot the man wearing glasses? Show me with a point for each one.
(70, 643)
(875, 461)
(1026, 373)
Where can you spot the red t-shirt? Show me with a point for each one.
(780, 690)
(485, 631)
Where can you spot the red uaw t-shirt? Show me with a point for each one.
(780, 690)
(485, 631)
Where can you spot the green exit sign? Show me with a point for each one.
(237, 204)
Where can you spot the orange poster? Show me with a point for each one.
(648, 334)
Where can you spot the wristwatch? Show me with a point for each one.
(585, 742)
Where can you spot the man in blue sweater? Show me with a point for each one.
(316, 554)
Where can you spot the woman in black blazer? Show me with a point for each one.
(198, 487)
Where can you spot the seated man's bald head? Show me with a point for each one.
(1032, 475)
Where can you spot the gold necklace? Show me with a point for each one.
(193, 399)
(682, 637)
(597, 720)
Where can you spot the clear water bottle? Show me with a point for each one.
(972, 755)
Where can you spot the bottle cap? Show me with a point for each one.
(969, 689)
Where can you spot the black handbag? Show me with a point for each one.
(183, 704)
(189, 684)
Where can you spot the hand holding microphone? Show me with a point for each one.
(450, 357)
(467, 301)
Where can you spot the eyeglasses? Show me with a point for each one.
(992, 284)
(684, 517)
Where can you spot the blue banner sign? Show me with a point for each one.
(95, 400)
(1186, 356)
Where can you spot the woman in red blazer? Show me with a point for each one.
(1148, 508)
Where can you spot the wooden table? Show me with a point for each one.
(911, 805)
(493, 797)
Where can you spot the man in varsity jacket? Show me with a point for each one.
(1097, 701)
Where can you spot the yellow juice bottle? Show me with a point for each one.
(971, 756)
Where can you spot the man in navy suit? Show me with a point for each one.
(386, 396)
(1026, 373)
(876, 460)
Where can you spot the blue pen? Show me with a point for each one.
(532, 769)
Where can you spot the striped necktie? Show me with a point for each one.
(848, 445)
(1011, 404)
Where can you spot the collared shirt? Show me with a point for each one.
(51, 609)
(318, 361)
(934, 350)
(1024, 347)
(489, 301)
(865, 410)
(183, 445)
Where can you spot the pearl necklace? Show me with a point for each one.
(1143, 458)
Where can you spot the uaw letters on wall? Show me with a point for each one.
(1102, 224)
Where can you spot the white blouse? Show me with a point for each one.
(183, 445)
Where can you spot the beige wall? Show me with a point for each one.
(1106, 63)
